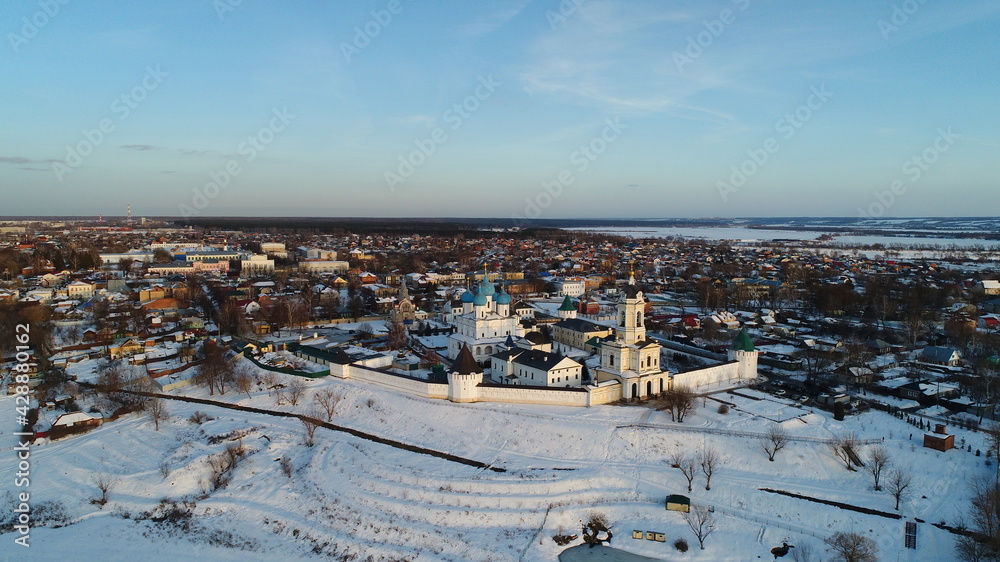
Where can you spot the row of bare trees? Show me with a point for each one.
(708, 460)
(877, 463)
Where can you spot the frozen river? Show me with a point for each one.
(744, 234)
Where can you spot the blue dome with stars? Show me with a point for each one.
(487, 288)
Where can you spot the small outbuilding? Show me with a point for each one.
(677, 502)
(940, 440)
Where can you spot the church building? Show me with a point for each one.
(484, 324)
(631, 358)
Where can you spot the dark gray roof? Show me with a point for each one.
(938, 353)
(543, 360)
(579, 325)
(631, 291)
(537, 338)
(465, 364)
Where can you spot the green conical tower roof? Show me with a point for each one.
(742, 342)
(567, 305)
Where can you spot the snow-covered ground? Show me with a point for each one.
(348, 496)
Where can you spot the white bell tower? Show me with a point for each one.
(631, 325)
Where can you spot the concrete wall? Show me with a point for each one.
(166, 385)
(524, 395)
(376, 362)
(709, 375)
(605, 394)
(395, 382)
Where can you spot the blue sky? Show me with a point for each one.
(683, 109)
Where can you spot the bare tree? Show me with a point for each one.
(243, 379)
(702, 523)
(215, 371)
(853, 547)
(157, 411)
(296, 388)
(898, 485)
(366, 331)
(985, 515)
(878, 461)
(803, 553)
(993, 439)
(117, 379)
(686, 465)
(223, 464)
(310, 422)
(356, 307)
(269, 380)
(328, 400)
(709, 460)
(775, 440)
(397, 337)
(597, 531)
(816, 360)
(845, 448)
(679, 401)
(105, 483)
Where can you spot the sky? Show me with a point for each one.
(509, 108)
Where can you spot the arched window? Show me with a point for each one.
(638, 318)
(611, 360)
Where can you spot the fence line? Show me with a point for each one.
(735, 433)
(767, 521)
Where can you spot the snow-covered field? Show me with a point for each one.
(348, 498)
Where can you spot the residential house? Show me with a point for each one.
(940, 355)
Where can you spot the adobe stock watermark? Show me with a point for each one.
(20, 374)
(580, 161)
(787, 126)
(224, 7)
(564, 11)
(913, 169)
(899, 17)
(122, 106)
(249, 149)
(697, 43)
(365, 34)
(455, 117)
(30, 26)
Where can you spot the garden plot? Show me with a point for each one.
(761, 405)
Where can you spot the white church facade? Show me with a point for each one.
(485, 323)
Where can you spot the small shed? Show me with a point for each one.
(940, 440)
(677, 502)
